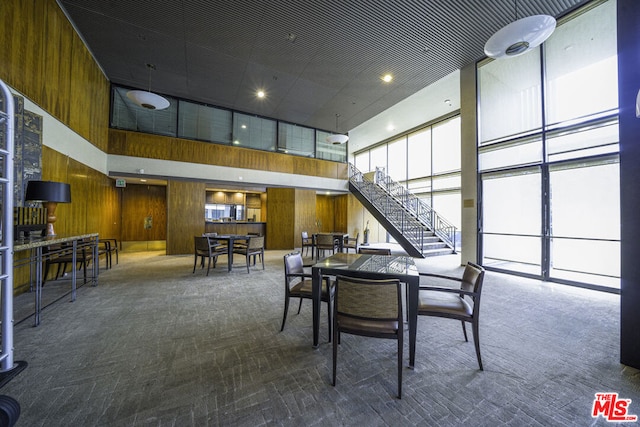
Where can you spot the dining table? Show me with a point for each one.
(230, 239)
(375, 267)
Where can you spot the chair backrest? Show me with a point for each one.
(305, 237)
(209, 234)
(201, 243)
(472, 279)
(256, 242)
(325, 240)
(293, 264)
(368, 299)
(374, 251)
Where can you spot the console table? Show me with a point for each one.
(37, 257)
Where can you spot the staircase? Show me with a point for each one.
(413, 224)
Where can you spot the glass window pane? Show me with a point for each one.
(446, 146)
(361, 162)
(127, 115)
(510, 98)
(594, 140)
(449, 207)
(585, 201)
(419, 186)
(328, 151)
(254, 132)
(419, 154)
(447, 182)
(294, 139)
(511, 203)
(515, 253)
(589, 261)
(524, 152)
(379, 157)
(398, 160)
(204, 123)
(581, 65)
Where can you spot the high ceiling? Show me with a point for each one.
(313, 58)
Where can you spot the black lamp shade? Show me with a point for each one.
(48, 191)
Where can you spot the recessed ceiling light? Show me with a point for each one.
(448, 102)
(387, 78)
(236, 142)
(260, 94)
(143, 180)
(391, 127)
(243, 126)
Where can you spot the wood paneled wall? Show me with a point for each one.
(281, 209)
(185, 219)
(44, 59)
(305, 215)
(95, 202)
(127, 143)
(140, 202)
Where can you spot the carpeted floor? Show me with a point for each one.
(155, 345)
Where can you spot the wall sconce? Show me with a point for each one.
(50, 194)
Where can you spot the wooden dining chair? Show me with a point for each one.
(307, 242)
(371, 308)
(254, 248)
(325, 242)
(351, 243)
(205, 248)
(298, 284)
(459, 303)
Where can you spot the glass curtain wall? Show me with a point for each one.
(427, 162)
(548, 155)
(192, 120)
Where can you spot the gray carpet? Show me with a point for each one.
(155, 345)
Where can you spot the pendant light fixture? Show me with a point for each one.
(337, 138)
(520, 36)
(147, 99)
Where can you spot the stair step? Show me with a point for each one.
(437, 252)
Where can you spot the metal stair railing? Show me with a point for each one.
(410, 228)
(419, 208)
(413, 217)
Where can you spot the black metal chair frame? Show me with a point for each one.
(298, 284)
(470, 287)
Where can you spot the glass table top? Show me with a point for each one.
(390, 264)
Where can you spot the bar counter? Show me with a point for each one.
(236, 227)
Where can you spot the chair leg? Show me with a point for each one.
(286, 309)
(335, 351)
(248, 259)
(208, 265)
(329, 318)
(400, 346)
(476, 340)
(464, 330)
(300, 306)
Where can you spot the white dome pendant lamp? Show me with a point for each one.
(520, 36)
(147, 99)
(337, 138)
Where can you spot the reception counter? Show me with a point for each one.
(240, 227)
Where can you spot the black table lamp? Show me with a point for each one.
(50, 194)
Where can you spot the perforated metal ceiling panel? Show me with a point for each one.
(314, 59)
